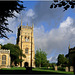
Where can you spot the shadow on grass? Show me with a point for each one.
(28, 70)
(25, 72)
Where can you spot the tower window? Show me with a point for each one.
(26, 50)
(25, 38)
(3, 59)
(28, 37)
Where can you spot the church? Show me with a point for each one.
(5, 59)
(71, 56)
(25, 40)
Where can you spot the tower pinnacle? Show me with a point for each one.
(21, 22)
(33, 25)
(27, 24)
(69, 46)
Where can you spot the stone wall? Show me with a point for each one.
(7, 54)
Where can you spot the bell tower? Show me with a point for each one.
(25, 40)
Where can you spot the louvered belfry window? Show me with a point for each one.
(26, 50)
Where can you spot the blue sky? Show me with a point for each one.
(54, 29)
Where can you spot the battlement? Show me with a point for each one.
(5, 51)
(27, 27)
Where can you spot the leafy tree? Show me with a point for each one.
(62, 60)
(47, 63)
(65, 4)
(40, 58)
(6, 10)
(15, 52)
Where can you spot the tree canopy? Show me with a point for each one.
(6, 10)
(41, 58)
(65, 4)
(62, 60)
(15, 52)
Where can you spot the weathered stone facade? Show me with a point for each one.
(25, 40)
(4, 58)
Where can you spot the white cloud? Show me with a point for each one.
(10, 40)
(30, 13)
(1, 41)
(57, 40)
(52, 59)
(67, 23)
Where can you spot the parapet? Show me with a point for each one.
(27, 27)
(4, 51)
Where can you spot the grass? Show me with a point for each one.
(47, 70)
(42, 70)
(14, 68)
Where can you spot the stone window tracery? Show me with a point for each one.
(3, 59)
(26, 39)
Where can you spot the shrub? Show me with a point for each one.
(61, 68)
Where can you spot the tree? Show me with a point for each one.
(6, 10)
(40, 58)
(52, 64)
(62, 60)
(47, 63)
(65, 4)
(15, 52)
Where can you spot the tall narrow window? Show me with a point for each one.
(3, 59)
(25, 38)
(28, 38)
(26, 50)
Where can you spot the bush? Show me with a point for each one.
(51, 68)
(61, 68)
(12, 66)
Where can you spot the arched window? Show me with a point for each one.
(3, 59)
(26, 50)
(28, 38)
(25, 38)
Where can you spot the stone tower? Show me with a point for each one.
(25, 40)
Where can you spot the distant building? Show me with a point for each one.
(25, 41)
(71, 55)
(4, 58)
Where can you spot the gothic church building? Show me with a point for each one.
(25, 41)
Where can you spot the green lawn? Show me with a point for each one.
(47, 70)
(14, 68)
(35, 70)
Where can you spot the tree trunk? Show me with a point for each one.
(13, 63)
